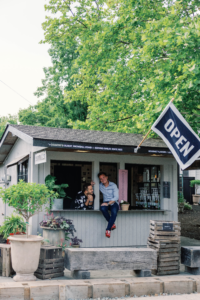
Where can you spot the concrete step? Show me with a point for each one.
(102, 288)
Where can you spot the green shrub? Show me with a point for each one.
(181, 198)
(27, 198)
(12, 224)
(195, 183)
(187, 206)
(50, 183)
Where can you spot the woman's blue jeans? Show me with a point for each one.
(110, 218)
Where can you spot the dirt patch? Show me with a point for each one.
(190, 222)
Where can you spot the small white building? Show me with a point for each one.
(76, 157)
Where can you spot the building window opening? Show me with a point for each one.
(22, 171)
(143, 186)
(111, 170)
(75, 174)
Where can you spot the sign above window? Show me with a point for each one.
(40, 157)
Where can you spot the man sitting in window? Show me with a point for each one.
(85, 198)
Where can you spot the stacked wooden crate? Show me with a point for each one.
(51, 263)
(5, 260)
(165, 238)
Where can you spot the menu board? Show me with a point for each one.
(168, 227)
(166, 189)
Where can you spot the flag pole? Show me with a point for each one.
(136, 149)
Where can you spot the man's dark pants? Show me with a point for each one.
(110, 218)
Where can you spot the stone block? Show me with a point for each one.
(62, 292)
(178, 284)
(143, 273)
(44, 292)
(74, 289)
(193, 271)
(76, 292)
(144, 286)
(196, 279)
(190, 256)
(11, 292)
(110, 259)
(108, 288)
(80, 274)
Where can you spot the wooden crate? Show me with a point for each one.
(157, 232)
(5, 260)
(167, 245)
(51, 263)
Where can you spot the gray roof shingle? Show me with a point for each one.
(88, 136)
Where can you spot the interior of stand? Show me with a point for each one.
(143, 181)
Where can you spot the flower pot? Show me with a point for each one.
(25, 254)
(57, 204)
(17, 233)
(181, 207)
(75, 246)
(196, 199)
(125, 206)
(53, 235)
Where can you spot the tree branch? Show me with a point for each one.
(119, 120)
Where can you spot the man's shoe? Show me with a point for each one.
(113, 227)
(108, 233)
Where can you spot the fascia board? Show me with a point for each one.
(25, 137)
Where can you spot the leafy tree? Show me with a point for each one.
(134, 56)
(52, 110)
(7, 120)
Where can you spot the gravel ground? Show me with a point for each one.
(190, 223)
(148, 296)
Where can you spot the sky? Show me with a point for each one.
(22, 58)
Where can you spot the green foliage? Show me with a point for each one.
(181, 198)
(50, 183)
(62, 244)
(12, 224)
(52, 110)
(187, 206)
(7, 120)
(124, 202)
(133, 57)
(27, 198)
(195, 183)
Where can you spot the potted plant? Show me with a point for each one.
(28, 199)
(181, 202)
(124, 205)
(56, 228)
(63, 246)
(75, 242)
(195, 198)
(50, 183)
(12, 225)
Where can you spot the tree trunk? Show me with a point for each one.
(27, 228)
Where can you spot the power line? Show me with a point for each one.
(16, 92)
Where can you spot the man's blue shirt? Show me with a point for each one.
(110, 193)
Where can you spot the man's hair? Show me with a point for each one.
(102, 173)
(85, 186)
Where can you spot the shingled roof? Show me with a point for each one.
(88, 136)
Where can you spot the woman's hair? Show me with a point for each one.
(102, 173)
(85, 186)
